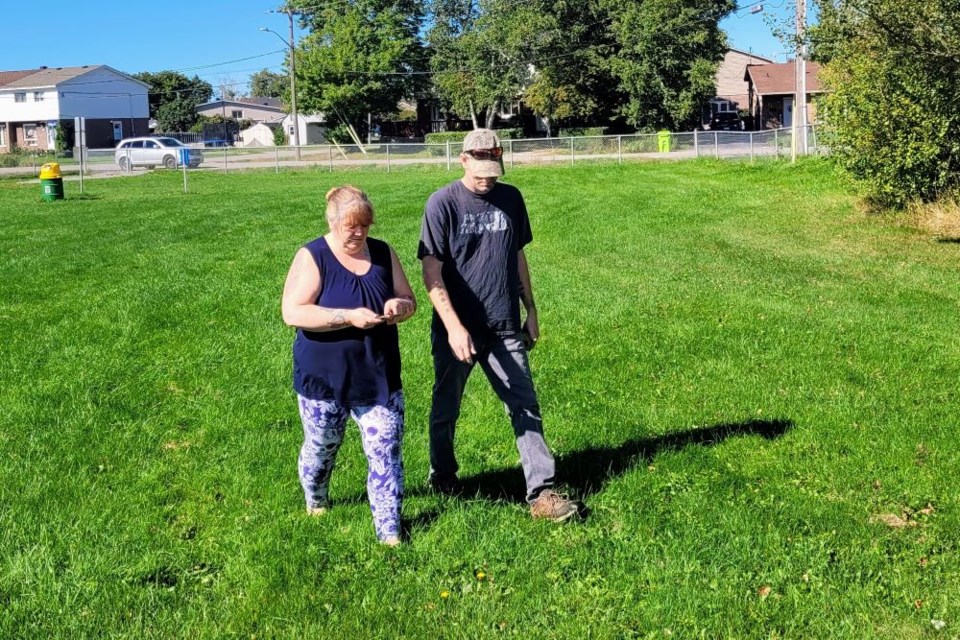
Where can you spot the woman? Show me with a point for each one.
(345, 294)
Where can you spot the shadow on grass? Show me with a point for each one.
(948, 240)
(586, 472)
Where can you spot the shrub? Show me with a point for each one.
(581, 131)
(891, 116)
(443, 137)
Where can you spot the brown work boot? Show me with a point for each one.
(553, 506)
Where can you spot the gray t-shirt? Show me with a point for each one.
(477, 238)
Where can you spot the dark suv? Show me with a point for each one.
(725, 121)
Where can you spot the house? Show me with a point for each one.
(34, 103)
(312, 128)
(772, 89)
(255, 109)
(733, 92)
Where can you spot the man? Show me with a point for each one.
(471, 248)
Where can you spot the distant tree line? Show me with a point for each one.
(647, 64)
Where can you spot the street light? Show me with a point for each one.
(293, 81)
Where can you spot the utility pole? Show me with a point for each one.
(293, 75)
(293, 85)
(800, 98)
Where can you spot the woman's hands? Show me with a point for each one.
(398, 309)
(394, 310)
(363, 318)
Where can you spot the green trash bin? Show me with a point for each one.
(51, 182)
(663, 141)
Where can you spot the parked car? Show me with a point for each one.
(725, 121)
(152, 151)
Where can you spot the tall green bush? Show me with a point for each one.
(892, 71)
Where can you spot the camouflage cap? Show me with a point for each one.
(483, 139)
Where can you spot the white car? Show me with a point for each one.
(155, 151)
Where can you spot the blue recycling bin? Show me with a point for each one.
(185, 157)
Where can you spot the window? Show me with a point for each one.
(3, 135)
(150, 144)
(38, 96)
(236, 114)
(20, 96)
(30, 134)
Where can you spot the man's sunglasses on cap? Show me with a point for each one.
(485, 154)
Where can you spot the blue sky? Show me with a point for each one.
(218, 40)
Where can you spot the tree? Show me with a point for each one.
(267, 84)
(227, 88)
(667, 56)
(173, 98)
(574, 83)
(481, 52)
(653, 62)
(358, 58)
(892, 70)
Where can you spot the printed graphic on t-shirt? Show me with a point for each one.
(490, 221)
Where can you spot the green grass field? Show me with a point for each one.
(751, 386)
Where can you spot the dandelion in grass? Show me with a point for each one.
(481, 576)
(444, 594)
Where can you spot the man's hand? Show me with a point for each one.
(461, 344)
(530, 332)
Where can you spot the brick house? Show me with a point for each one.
(35, 102)
(733, 92)
(772, 89)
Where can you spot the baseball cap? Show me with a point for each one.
(483, 139)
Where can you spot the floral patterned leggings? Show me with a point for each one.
(381, 429)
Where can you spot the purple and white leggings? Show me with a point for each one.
(381, 429)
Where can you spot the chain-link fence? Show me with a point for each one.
(387, 156)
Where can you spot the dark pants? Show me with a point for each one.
(504, 361)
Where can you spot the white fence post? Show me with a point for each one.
(448, 155)
(388, 157)
(776, 142)
(716, 144)
(696, 143)
(751, 146)
(571, 151)
(510, 149)
(276, 157)
(330, 150)
(619, 149)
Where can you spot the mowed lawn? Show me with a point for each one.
(752, 387)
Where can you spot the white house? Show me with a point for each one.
(34, 102)
(312, 128)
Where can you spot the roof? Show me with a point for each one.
(749, 54)
(7, 77)
(780, 78)
(270, 104)
(52, 76)
(263, 102)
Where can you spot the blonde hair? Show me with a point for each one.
(349, 205)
